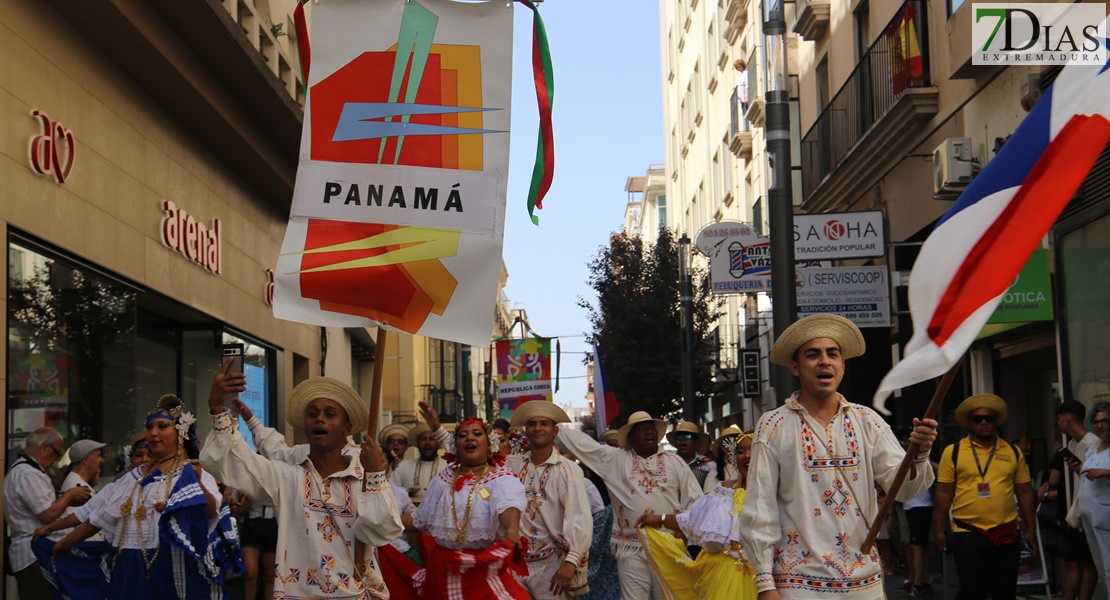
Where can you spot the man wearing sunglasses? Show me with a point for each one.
(30, 502)
(978, 478)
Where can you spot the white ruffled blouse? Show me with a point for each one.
(503, 491)
(711, 522)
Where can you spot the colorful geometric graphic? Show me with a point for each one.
(388, 273)
(432, 93)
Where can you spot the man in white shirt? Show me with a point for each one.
(815, 462)
(327, 503)
(85, 458)
(645, 480)
(557, 521)
(1080, 574)
(31, 502)
(415, 474)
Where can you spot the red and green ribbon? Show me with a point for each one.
(301, 26)
(544, 168)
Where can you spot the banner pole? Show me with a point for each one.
(907, 462)
(376, 386)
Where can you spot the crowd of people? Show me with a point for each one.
(526, 509)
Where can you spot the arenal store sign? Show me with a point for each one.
(200, 243)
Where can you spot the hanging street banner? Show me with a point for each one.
(829, 236)
(739, 260)
(859, 294)
(523, 372)
(399, 205)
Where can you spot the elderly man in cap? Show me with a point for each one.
(692, 444)
(983, 473)
(31, 502)
(815, 462)
(327, 503)
(644, 480)
(414, 474)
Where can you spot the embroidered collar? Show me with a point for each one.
(354, 468)
(796, 406)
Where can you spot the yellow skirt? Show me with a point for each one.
(713, 576)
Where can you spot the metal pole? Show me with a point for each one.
(686, 308)
(780, 195)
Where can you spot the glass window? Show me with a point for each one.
(258, 361)
(1085, 264)
(72, 353)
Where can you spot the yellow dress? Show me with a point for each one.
(720, 570)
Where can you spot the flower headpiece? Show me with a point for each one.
(496, 458)
(729, 444)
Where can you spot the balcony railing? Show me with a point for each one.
(896, 62)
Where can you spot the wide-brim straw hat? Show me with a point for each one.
(636, 418)
(332, 389)
(608, 434)
(729, 431)
(974, 403)
(835, 327)
(688, 427)
(391, 429)
(538, 408)
(415, 432)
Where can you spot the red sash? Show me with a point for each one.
(467, 573)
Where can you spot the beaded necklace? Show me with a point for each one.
(460, 535)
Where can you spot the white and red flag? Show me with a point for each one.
(982, 242)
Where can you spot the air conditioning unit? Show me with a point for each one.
(953, 167)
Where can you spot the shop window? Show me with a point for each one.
(1085, 266)
(72, 350)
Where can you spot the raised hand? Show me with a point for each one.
(430, 415)
(242, 409)
(224, 383)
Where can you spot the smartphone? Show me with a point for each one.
(1067, 455)
(233, 351)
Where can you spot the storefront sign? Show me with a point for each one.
(195, 241)
(830, 236)
(1030, 296)
(53, 151)
(860, 294)
(739, 260)
(268, 291)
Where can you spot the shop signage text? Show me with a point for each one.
(1030, 296)
(47, 148)
(194, 240)
(859, 294)
(828, 236)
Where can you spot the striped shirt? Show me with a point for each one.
(28, 492)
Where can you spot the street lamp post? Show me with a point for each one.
(686, 310)
(780, 195)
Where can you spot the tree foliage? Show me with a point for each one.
(638, 326)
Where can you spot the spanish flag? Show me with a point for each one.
(905, 51)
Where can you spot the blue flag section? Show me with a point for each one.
(78, 575)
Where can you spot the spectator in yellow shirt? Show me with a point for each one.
(978, 478)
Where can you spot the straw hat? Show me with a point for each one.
(688, 427)
(414, 433)
(332, 389)
(729, 431)
(834, 327)
(639, 417)
(974, 403)
(391, 429)
(608, 434)
(538, 408)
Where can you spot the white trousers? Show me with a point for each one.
(637, 579)
(538, 581)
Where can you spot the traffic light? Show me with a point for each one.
(749, 372)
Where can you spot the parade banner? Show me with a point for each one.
(523, 372)
(399, 205)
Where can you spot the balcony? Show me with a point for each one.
(813, 19)
(865, 125)
(739, 131)
(737, 16)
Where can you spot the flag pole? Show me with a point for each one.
(907, 462)
(376, 386)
